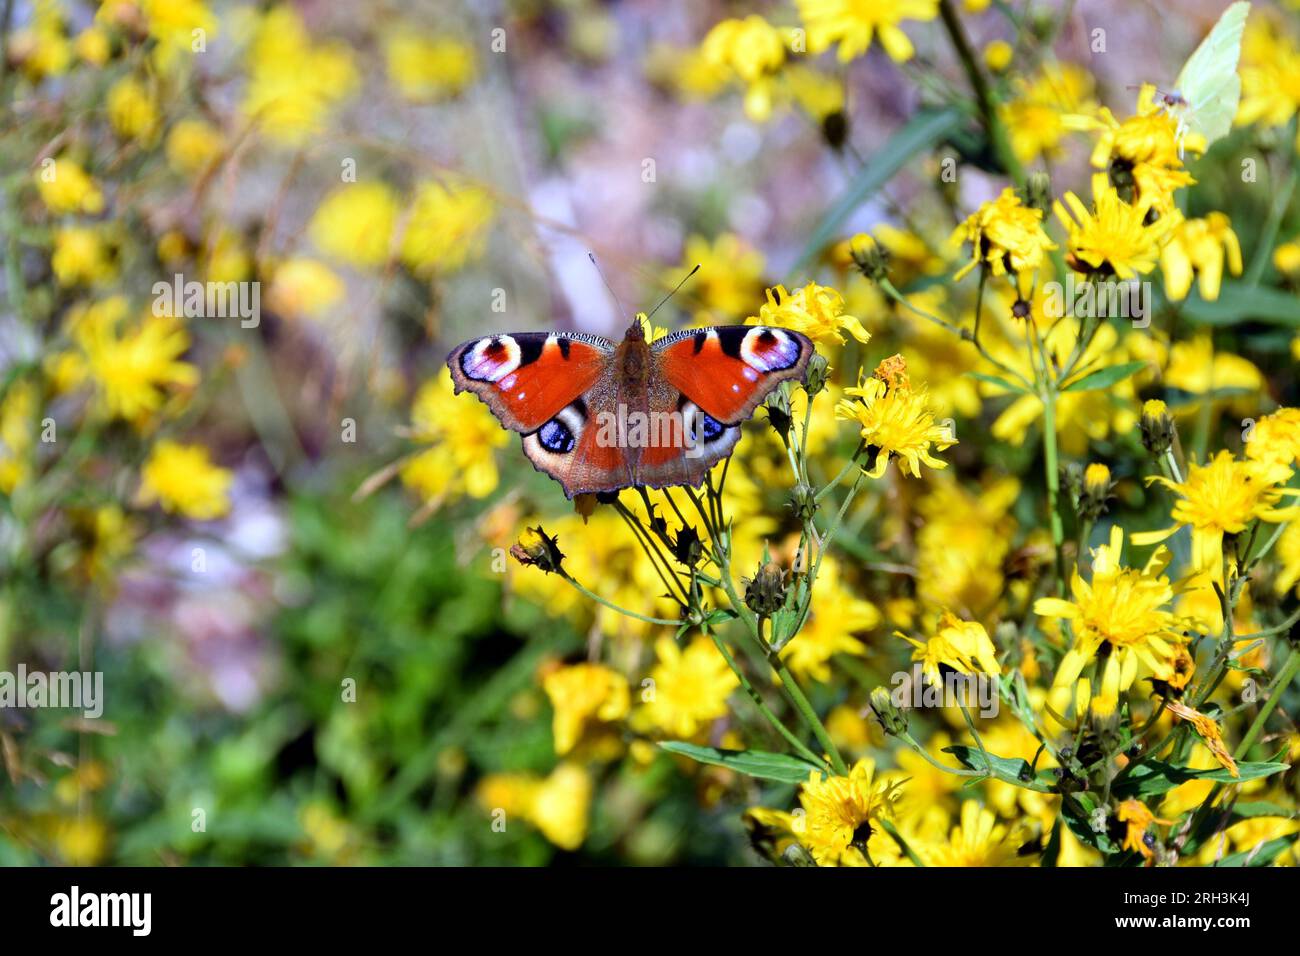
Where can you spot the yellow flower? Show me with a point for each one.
(81, 256)
(182, 478)
(586, 698)
(1139, 818)
(895, 420)
(1008, 236)
(17, 434)
(427, 69)
(303, 286)
(227, 258)
(853, 24)
(81, 840)
(132, 366)
(837, 615)
(1223, 497)
(355, 223)
(193, 145)
(1270, 76)
(815, 310)
(963, 542)
(1195, 367)
(1114, 238)
(729, 280)
(173, 23)
(1125, 609)
(447, 228)
(93, 46)
(690, 687)
(1035, 117)
(842, 817)
(65, 187)
(998, 55)
(819, 94)
(557, 805)
(752, 51)
(962, 645)
(1275, 439)
(1198, 247)
(42, 49)
(293, 83)
(463, 435)
(1288, 557)
(979, 840)
(133, 110)
(1207, 728)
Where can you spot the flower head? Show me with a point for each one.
(1199, 248)
(815, 310)
(691, 687)
(1008, 236)
(586, 698)
(895, 420)
(1114, 238)
(182, 478)
(853, 24)
(1139, 818)
(842, 815)
(962, 645)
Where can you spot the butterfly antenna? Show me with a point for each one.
(601, 273)
(674, 292)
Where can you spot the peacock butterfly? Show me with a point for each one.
(598, 416)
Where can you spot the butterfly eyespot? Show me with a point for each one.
(555, 436)
(491, 359)
(769, 350)
(707, 429)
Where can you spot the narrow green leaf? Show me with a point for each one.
(999, 382)
(1104, 377)
(1261, 855)
(752, 763)
(1154, 777)
(1015, 771)
(1238, 302)
(921, 133)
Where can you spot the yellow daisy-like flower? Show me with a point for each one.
(978, 840)
(302, 286)
(1114, 238)
(815, 310)
(691, 685)
(17, 434)
(427, 69)
(1196, 368)
(355, 223)
(752, 51)
(1275, 439)
(192, 146)
(81, 256)
(447, 228)
(962, 645)
(182, 478)
(586, 698)
(1035, 117)
(1223, 497)
(1198, 248)
(65, 187)
(895, 420)
(1270, 75)
(558, 805)
(1288, 558)
(463, 435)
(729, 280)
(1139, 818)
(853, 24)
(842, 817)
(837, 615)
(133, 110)
(1008, 236)
(1125, 609)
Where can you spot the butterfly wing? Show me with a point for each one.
(727, 371)
(1209, 81)
(528, 378)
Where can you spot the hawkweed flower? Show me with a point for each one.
(557, 805)
(447, 227)
(815, 310)
(752, 51)
(427, 69)
(354, 224)
(837, 615)
(1222, 498)
(535, 548)
(895, 419)
(1094, 492)
(691, 686)
(183, 479)
(462, 438)
(1199, 248)
(1275, 438)
(1125, 611)
(1114, 237)
(1035, 116)
(978, 840)
(1008, 237)
(1138, 818)
(843, 815)
(1207, 728)
(587, 700)
(70, 189)
(853, 25)
(962, 645)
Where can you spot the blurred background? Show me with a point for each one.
(284, 543)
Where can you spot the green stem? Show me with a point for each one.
(614, 607)
(1053, 476)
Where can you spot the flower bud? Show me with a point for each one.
(536, 548)
(818, 371)
(891, 717)
(778, 413)
(1038, 191)
(803, 502)
(1095, 492)
(765, 593)
(1157, 427)
(871, 259)
(687, 547)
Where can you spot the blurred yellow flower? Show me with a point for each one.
(1195, 367)
(183, 479)
(752, 51)
(690, 687)
(963, 542)
(428, 68)
(1034, 117)
(41, 49)
(978, 840)
(65, 187)
(178, 26)
(1270, 75)
(729, 280)
(303, 287)
(1198, 249)
(17, 434)
(81, 256)
(463, 435)
(587, 699)
(852, 25)
(1275, 438)
(557, 805)
(355, 222)
(93, 46)
(294, 84)
(133, 111)
(193, 145)
(447, 227)
(81, 840)
(837, 616)
(998, 55)
(1288, 559)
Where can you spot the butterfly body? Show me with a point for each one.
(598, 416)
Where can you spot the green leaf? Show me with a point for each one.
(1104, 377)
(1238, 302)
(921, 133)
(999, 382)
(1261, 855)
(1015, 771)
(1152, 778)
(1077, 811)
(752, 763)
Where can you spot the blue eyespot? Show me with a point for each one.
(556, 437)
(710, 428)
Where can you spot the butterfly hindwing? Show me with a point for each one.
(569, 448)
(528, 378)
(728, 370)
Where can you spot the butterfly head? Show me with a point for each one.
(636, 331)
